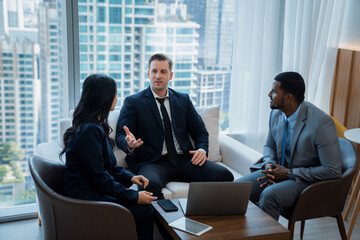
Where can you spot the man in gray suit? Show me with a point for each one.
(302, 147)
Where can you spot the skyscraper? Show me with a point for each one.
(211, 85)
(50, 70)
(118, 37)
(2, 19)
(18, 79)
(18, 61)
(215, 18)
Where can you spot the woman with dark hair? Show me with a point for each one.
(91, 172)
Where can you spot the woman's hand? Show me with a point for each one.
(145, 197)
(140, 180)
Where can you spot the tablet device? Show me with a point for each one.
(190, 226)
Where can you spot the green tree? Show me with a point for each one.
(26, 197)
(18, 174)
(3, 172)
(10, 151)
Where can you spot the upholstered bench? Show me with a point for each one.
(223, 149)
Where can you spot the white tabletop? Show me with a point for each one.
(353, 135)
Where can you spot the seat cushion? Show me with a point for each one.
(181, 189)
(177, 189)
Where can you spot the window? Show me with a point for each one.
(115, 29)
(184, 31)
(35, 59)
(115, 15)
(101, 48)
(82, 28)
(115, 48)
(115, 39)
(101, 15)
(182, 74)
(82, 19)
(128, 10)
(144, 11)
(115, 58)
(101, 38)
(115, 1)
(101, 57)
(83, 38)
(82, 9)
(199, 42)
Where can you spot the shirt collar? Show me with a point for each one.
(156, 96)
(293, 117)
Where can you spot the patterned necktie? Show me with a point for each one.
(283, 142)
(169, 140)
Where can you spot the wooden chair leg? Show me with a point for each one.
(354, 216)
(354, 193)
(291, 227)
(302, 229)
(341, 226)
(39, 220)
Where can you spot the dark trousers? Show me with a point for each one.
(144, 216)
(162, 171)
(274, 198)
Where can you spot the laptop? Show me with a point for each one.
(216, 198)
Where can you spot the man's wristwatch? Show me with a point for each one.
(291, 174)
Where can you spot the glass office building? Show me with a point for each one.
(52, 83)
(118, 37)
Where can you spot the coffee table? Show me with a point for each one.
(255, 224)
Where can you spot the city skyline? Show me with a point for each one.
(116, 37)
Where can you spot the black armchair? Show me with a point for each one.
(68, 218)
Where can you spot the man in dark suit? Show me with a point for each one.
(162, 120)
(302, 147)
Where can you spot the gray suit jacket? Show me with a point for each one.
(315, 149)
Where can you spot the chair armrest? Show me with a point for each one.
(237, 155)
(324, 198)
(105, 220)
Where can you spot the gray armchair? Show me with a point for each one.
(325, 198)
(68, 218)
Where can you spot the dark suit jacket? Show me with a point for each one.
(315, 149)
(141, 115)
(91, 172)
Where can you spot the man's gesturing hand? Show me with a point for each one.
(130, 139)
(145, 197)
(140, 180)
(199, 157)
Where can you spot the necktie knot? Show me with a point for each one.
(286, 125)
(160, 100)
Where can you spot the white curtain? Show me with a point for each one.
(273, 36)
